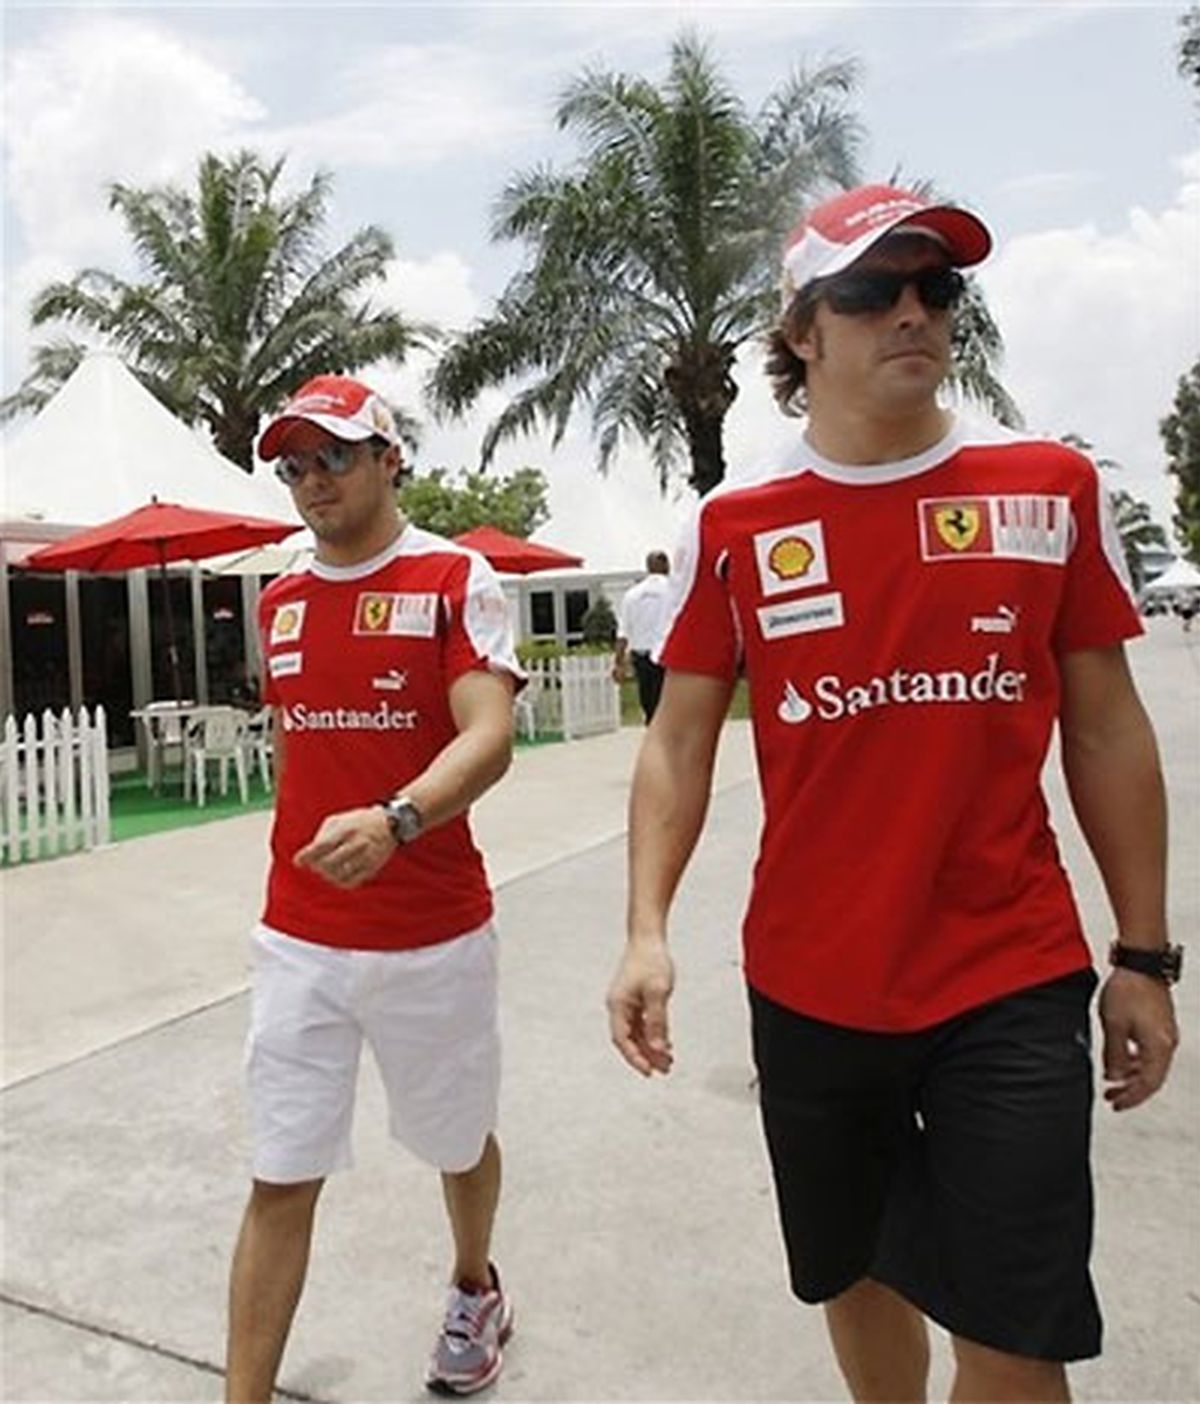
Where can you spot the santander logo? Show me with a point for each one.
(834, 699)
(300, 717)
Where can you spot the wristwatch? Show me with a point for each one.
(403, 817)
(1165, 963)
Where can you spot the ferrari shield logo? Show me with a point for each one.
(958, 525)
(374, 614)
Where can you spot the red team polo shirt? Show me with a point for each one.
(901, 627)
(358, 662)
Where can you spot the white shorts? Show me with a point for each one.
(430, 1018)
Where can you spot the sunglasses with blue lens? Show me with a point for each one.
(336, 458)
(856, 294)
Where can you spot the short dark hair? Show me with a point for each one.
(378, 445)
(784, 368)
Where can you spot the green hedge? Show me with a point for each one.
(544, 648)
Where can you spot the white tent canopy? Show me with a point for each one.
(1179, 575)
(273, 559)
(104, 445)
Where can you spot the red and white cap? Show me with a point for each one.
(347, 408)
(835, 234)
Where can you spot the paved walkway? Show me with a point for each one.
(637, 1229)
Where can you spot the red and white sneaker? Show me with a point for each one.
(468, 1353)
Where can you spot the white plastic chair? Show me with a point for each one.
(258, 743)
(218, 734)
(166, 724)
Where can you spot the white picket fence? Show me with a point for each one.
(574, 694)
(53, 785)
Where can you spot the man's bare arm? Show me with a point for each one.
(351, 847)
(1111, 764)
(671, 785)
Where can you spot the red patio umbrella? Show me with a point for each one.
(152, 536)
(510, 553)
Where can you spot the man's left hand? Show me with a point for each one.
(349, 848)
(1140, 1037)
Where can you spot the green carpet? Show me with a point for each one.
(137, 810)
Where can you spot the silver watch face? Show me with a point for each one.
(404, 818)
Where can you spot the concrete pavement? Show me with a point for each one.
(637, 1231)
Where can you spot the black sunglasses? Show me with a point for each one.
(857, 294)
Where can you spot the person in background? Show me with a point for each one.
(916, 604)
(639, 630)
(391, 673)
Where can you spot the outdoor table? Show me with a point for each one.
(165, 724)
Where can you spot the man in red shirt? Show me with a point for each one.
(390, 668)
(915, 602)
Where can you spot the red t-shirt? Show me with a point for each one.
(900, 626)
(359, 661)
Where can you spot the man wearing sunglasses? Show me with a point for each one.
(389, 664)
(916, 603)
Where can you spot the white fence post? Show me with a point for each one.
(33, 817)
(53, 785)
(50, 752)
(100, 772)
(9, 778)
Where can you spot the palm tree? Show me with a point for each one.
(654, 261)
(1138, 532)
(1136, 528)
(239, 303)
(976, 348)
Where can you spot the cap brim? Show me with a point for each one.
(273, 436)
(965, 235)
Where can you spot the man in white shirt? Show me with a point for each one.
(639, 631)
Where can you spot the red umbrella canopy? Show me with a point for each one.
(510, 553)
(155, 534)
(152, 536)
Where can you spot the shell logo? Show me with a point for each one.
(790, 558)
(287, 622)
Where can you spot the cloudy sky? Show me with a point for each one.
(1065, 125)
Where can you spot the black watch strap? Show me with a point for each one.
(1165, 963)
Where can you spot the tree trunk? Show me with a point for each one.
(705, 435)
(702, 387)
(234, 436)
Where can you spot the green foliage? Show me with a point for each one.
(599, 624)
(1135, 526)
(238, 304)
(655, 258)
(1180, 432)
(1137, 530)
(451, 504)
(1188, 56)
(530, 651)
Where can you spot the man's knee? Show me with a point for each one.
(284, 1201)
(988, 1374)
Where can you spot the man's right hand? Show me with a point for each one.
(637, 1007)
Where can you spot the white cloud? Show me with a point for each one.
(99, 100)
(104, 100)
(417, 105)
(1098, 327)
(990, 27)
(1039, 183)
(436, 289)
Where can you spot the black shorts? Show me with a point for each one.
(951, 1164)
